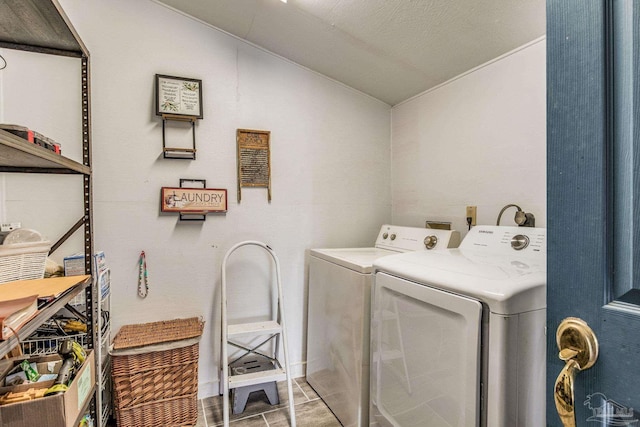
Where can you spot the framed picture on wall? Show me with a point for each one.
(178, 96)
(254, 160)
(193, 200)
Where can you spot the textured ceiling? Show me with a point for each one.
(389, 49)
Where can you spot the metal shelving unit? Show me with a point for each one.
(45, 313)
(41, 26)
(103, 358)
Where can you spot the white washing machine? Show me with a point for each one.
(339, 316)
(458, 336)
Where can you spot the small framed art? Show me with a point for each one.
(193, 200)
(178, 96)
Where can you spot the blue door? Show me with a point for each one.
(593, 178)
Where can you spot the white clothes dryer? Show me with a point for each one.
(458, 336)
(339, 316)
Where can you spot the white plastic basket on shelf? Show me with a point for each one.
(23, 261)
(49, 345)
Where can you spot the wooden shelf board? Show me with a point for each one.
(16, 154)
(39, 26)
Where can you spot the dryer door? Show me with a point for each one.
(425, 346)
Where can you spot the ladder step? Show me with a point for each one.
(257, 328)
(257, 378)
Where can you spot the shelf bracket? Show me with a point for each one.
(68, 234)
(193, 216)
(179, 153)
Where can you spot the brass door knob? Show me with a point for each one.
(578, 347)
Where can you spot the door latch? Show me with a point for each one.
(578, 347)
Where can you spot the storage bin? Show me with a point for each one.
(59, 410)
(155, 373)
(42, 345)
(23, 261)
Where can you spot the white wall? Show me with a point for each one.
(330, 162)
(479, 139)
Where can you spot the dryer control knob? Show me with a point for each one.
(519, 242)
(393, 237)
(430, 242)
(385, 235)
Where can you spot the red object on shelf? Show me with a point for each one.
(33, 137)
(21, 131)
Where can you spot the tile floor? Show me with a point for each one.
(310, 410)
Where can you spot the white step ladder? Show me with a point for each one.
(274, 329)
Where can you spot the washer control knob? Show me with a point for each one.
(385, 235)
(519, 242)
(393, 236)
(430, 242)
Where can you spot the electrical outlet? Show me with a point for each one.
(9, 226)
(471, 213)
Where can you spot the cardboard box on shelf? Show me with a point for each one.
(99, 261)
(62, 410)
(74, 265)
(47, 364)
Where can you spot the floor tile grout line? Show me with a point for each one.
(204, 413)
(264, 413)
(300, 388)
(269, 411)
(249, 416)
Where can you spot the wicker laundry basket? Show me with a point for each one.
(155, 373)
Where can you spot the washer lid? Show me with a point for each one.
(508, 284)
(357, 259)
